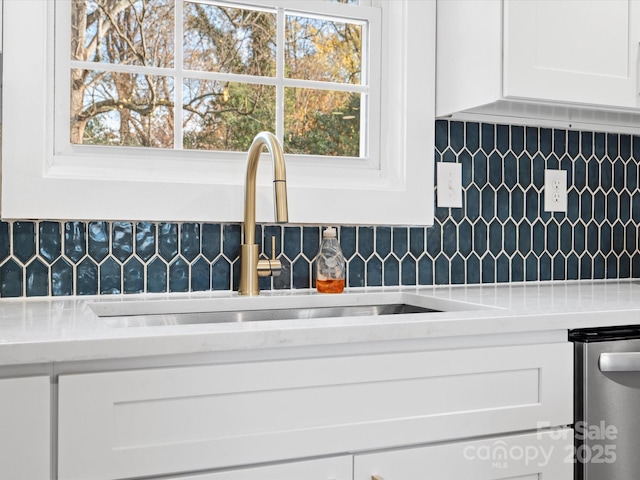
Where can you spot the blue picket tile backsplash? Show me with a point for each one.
(502, 233)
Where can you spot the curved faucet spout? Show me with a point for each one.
(269, 140)
(250, 265)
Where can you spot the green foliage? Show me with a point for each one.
(235, 116)
(335, 133)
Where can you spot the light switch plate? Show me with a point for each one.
(555, 190)
(449, 185)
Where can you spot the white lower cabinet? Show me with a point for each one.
(169, 421)
(534, 456)
(544, 455)
(25, 428)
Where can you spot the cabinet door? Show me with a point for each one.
(334, 468)
(534, 456)
(568, 51)
(25, 428)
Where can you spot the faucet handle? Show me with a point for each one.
(273, 247)
(272, 266)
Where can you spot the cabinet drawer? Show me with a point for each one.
(533, 456)
(169, 420)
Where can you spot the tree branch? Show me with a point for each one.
(112, 104)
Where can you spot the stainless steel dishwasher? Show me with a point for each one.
(607, 403)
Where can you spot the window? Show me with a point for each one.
(209, 75)
(135, 126)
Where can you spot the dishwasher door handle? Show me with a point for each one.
(619, 362)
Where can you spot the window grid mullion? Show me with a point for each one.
(121, 68)
(280, 41)
(178, 78)
(365, 78)
(222, 77)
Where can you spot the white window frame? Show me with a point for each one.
(42, 181)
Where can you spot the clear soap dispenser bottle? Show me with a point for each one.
(330, 264)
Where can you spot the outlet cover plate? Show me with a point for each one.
(555, 190)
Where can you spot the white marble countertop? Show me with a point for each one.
(68, 329)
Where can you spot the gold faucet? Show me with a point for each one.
(250, 266)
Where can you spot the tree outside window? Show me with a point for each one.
(205, 76)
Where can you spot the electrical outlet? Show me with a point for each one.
(449, 185)
(555, 190)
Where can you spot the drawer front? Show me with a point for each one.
(535, 456)
(170, 420)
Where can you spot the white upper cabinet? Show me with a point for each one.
(556, 60)
(568, 51)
